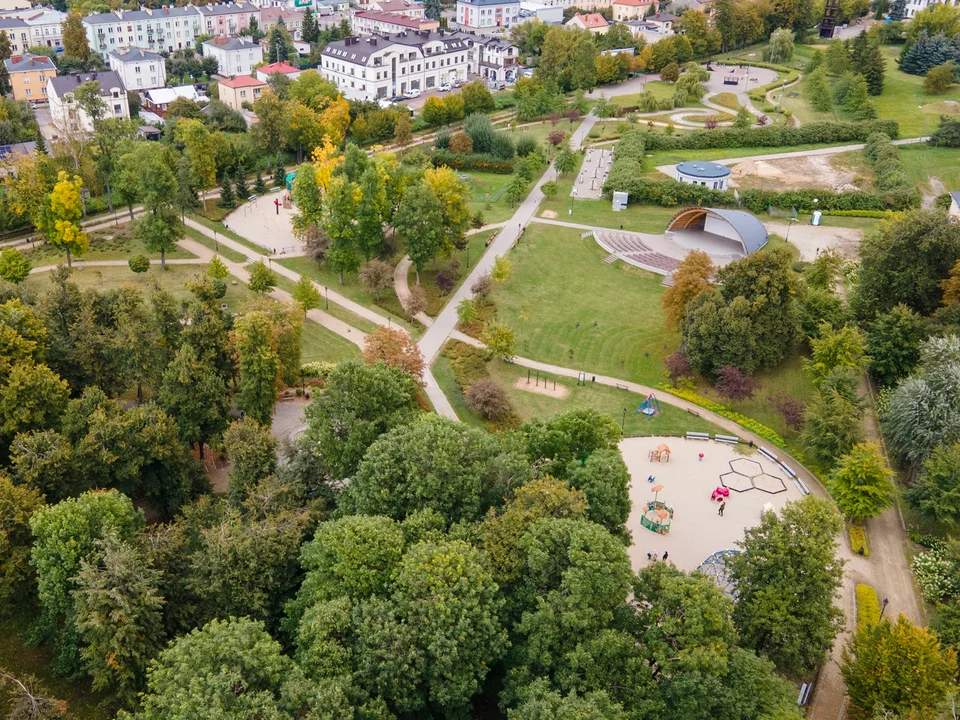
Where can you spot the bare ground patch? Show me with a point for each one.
(549, 214)
(815, 171)
(552, 389)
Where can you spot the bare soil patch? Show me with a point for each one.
(549, 214)
(555, 390)
(815, 171)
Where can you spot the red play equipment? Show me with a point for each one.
(720, 493)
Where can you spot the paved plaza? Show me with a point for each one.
(697, 531)
(262, 223)
(593, 173)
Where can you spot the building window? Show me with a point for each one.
(28, 91)
(26, 79)
(116, 109)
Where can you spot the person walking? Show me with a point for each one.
(665, 555)
(723, 504)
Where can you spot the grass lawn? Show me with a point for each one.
(727, 100)
(388, 305)
(319, 343)
(228, 253)
(541, 130)
(436, 301)
(82, 702)
(660, 89)
(110, 244)
(487, 195)
(922, 162)
(568, 308)
(610, 401)
(672, 157)
(338, 311)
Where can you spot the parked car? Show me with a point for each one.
(411, 94)
(444, 88)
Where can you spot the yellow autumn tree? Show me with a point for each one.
(335, 120)
(28, 182)
(693, 275)
(64, 209)
(326, 159)
(951, 286)
(452, 194)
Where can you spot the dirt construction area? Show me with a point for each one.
(810, 240)
(697, 530)
(814, 171)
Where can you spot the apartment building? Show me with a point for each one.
(166, 28)
(378, 67)
(68, 117)
(292, 20)
(368, 22)
(405, 8)
(235, 56)
(234, 92)
(227, 19)
(624, 10)
(488, 14)
(139, 69)
(493, 59)
(45, 25)
(18, 32)
(29, 75)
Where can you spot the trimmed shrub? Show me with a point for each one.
(747, 423)
(488, 399)
(485, 163)
(773, 135)
(858, 539)
(526, 144)
(868, 606)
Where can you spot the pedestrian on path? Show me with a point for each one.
(665, 555)
(723, 504)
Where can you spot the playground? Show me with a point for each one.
(675, 492)
(267, 221)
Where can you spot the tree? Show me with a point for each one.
(139, 264)
(889, 278)
(605, 480)
(477, 98)
(376, 276)
(488, 399)
(419, 222)
(18, 503)
(670, 73)
(64, 209)
(744, 118)
(565, 161)
(861, 482)
(856, 103)
(869, 60)
(259, 366)
(450, 599)
(396, 349)
(64, 535)
(374, 207)
(216, 269)
(787, 578)
(190, 677)
(837, 58)
(262, 279)
(836, 350)
(819, 90)
(937, 491)
(704, 39)
(502, 269)
(415, 302)
(893, 343)
(832, 426)
(309, 30)
(253, 456)
(693, 275)
(159, 231)
(499, 339)
(306, 294)
(28, 699)
(734, 385)
(193, 392)
(452, 195)
(542, 703)
(342, 199)
(403, 131)
(898, 10)
(31, 397)
(516, 190)
(780, 49)
(200, 152)
(433, 9)
(5, 49)
(75, 38)
(14, 266)
(118, 616)
(228, 200)
(939, 79)
(898, 667)
(359, 403)
(947, 133)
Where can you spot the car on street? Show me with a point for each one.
(411, 94)
(444, 88)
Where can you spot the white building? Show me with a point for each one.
(654, 28)
(45, 25)
(159, 99)
(235, 56)
(369, 22)
(708, 174)
(488, 14)
(494, 60)
(228, 18)
(592, 22)
(167, 28)
(68, 117)
(139, 69)
(381, 67)
(549, 14)
(954, 210)
(399, 7)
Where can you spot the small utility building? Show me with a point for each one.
(708, 174)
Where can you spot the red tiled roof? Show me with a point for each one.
(593, 20)
(242, 81)
(278, 67)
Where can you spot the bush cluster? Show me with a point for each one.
(884, 157)
(868, 606)
(858, 539)
(880, 214)
(476, 161)
(758, 200)
(936, 574)
(773, 135)
(771, 436)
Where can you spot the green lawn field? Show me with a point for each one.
(476, 246)
(111, 244)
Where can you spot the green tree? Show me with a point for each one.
(433, 9)
(837, 58)
(18, 504)
(200, 152)
(118, 617)
(744, 118)
(309, 30)
(5, 49)
(64, 535)
(516, 190)
(448, 597)
(898, 667)
(832, 426)
(939, 79)
(565, 161)
(841, 349)
(818, 88)
(342, 206)
(262, 279)
(862, 483)
(477, 98)
(542, 703)
(159, 231)
(856, 103)
(787, 578)
(306, 294)
(139, 264)
(190, 677)
(371, 213)
(893, 343)
(216, 269)
(403, 132)
(14, 266)
(193, 392)
(359, 403)
(253, 456)
(499, 339)
(780, 49)
(937, 491)
(31, 397)
(75, 38)
(259, 366)
(605, 480)
(419, 222)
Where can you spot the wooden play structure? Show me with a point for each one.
(658, 516)
(660, 454)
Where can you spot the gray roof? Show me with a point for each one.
(751, 231)
(956, 197)
(705, 170)
(63, 84)
(124, 15)
(27, 63)
(357, 50)
(12, 24)
(134, 55)
(227, 8)
(234, 43)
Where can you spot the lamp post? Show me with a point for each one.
(326, 297)
(790, 225)
(883, 609)
(215, 243)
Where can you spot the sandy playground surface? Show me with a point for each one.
(542, 387)
(697, 530)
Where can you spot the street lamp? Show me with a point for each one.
(883, 609)
(790, 225)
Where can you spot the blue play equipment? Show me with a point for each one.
(649, 407)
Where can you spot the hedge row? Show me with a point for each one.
(773, 135)
(858, 539)
(771, 436)
(868, 606)
(760, 93)
(880, 214)
(884, 157)
(625, 177)
(632, 146)
(859, 200)
(485, 163)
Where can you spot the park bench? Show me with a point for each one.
(789, 471)
(731, 439)
(802, 486)
(805, 691)
(767, 454)
(698, 436)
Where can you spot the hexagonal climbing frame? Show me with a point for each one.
(769, 484)
(736, 482)
(746, 467)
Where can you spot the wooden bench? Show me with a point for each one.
(731, 439)
(802, 486)
(788, 470)
(698, 436)
(766, 453)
